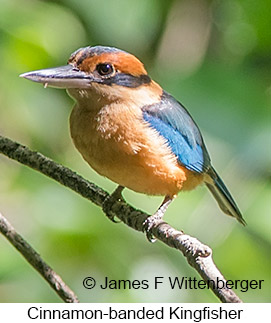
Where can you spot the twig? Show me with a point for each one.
(198, 255)
(37, 262)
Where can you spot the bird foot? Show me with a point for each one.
(156, 218)
(110, 200)
(149, 223)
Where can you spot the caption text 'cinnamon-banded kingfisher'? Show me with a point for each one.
(131, 131)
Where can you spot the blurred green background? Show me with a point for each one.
(213, 56)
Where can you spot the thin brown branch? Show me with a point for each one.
(198, 255)
(37, 262)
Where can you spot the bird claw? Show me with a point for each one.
(154, 219)
(112, 218)
(107, 209)
(110, 200)
(148, 224)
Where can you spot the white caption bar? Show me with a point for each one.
(174, 312)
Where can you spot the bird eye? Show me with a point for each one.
(105, 69)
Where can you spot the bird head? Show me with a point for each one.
(99, 71)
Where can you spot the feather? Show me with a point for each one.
(223, 196)
(172, 121)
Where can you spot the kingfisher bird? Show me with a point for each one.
(131, 131)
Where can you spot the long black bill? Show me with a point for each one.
(61, 77)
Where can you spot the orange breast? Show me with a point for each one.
(118, 144)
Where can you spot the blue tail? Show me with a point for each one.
(223, 196)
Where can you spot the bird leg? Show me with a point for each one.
(153, 220)
(110, 200)
(117, 193)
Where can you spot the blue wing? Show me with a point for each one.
(175, 124)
